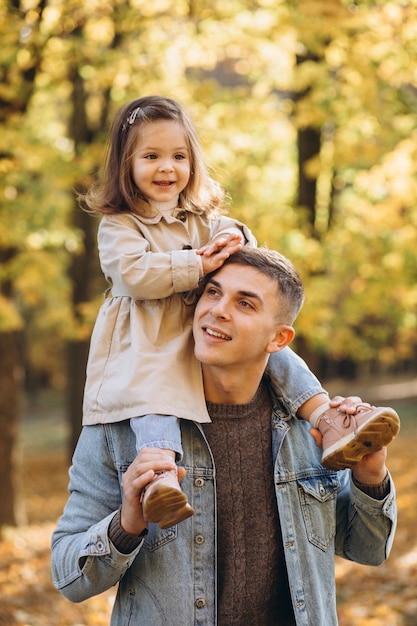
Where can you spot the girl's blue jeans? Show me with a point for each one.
(158, 431)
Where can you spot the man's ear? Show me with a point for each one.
(283, 337)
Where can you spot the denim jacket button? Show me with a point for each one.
(199, 539)
(200, 603)
(100, 545)
(199, 482)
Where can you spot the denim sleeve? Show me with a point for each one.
(365, 526)
(84, 560)
(292, 379)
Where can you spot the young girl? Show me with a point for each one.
(161, 231)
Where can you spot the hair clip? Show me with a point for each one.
(132, 117)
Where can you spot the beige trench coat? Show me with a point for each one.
(141, 357)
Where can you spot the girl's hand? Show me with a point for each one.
(347, 405)
(232, 240)
(214, 254)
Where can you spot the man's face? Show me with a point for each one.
(235, 321)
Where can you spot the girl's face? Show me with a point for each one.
(161, 162)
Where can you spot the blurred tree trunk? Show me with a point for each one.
(10, 383)
(83, 273)
(84, 269)
(18, 85)
(80, 270)
(308, 146)
(10, 389)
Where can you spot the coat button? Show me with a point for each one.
(182, 216)
(187, 247)
(200, 603)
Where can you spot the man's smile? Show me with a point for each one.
(216, 333)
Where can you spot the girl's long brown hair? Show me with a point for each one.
(116, 191)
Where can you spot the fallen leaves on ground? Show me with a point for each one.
(367, 596)
(27, 596)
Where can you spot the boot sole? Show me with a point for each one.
(166, 506)
(370, 438)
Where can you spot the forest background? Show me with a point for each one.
(307, 112)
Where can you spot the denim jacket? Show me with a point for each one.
(170, 578)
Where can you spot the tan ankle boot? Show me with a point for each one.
(348, 438)
(164, 502)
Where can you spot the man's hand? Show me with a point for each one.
(371, 470)
(142, 470)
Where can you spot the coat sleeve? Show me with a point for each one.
(365, 527)
(142, 271)
(84, 560)
(135, 271)
(229, 225)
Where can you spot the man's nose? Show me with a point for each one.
(220, 309)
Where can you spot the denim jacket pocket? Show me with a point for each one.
(318, 504)
(158, 537)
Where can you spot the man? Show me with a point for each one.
(269, 518)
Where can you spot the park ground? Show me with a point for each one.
(367, 596)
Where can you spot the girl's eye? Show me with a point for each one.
(179, 157)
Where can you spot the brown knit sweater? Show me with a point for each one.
(252, 576)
